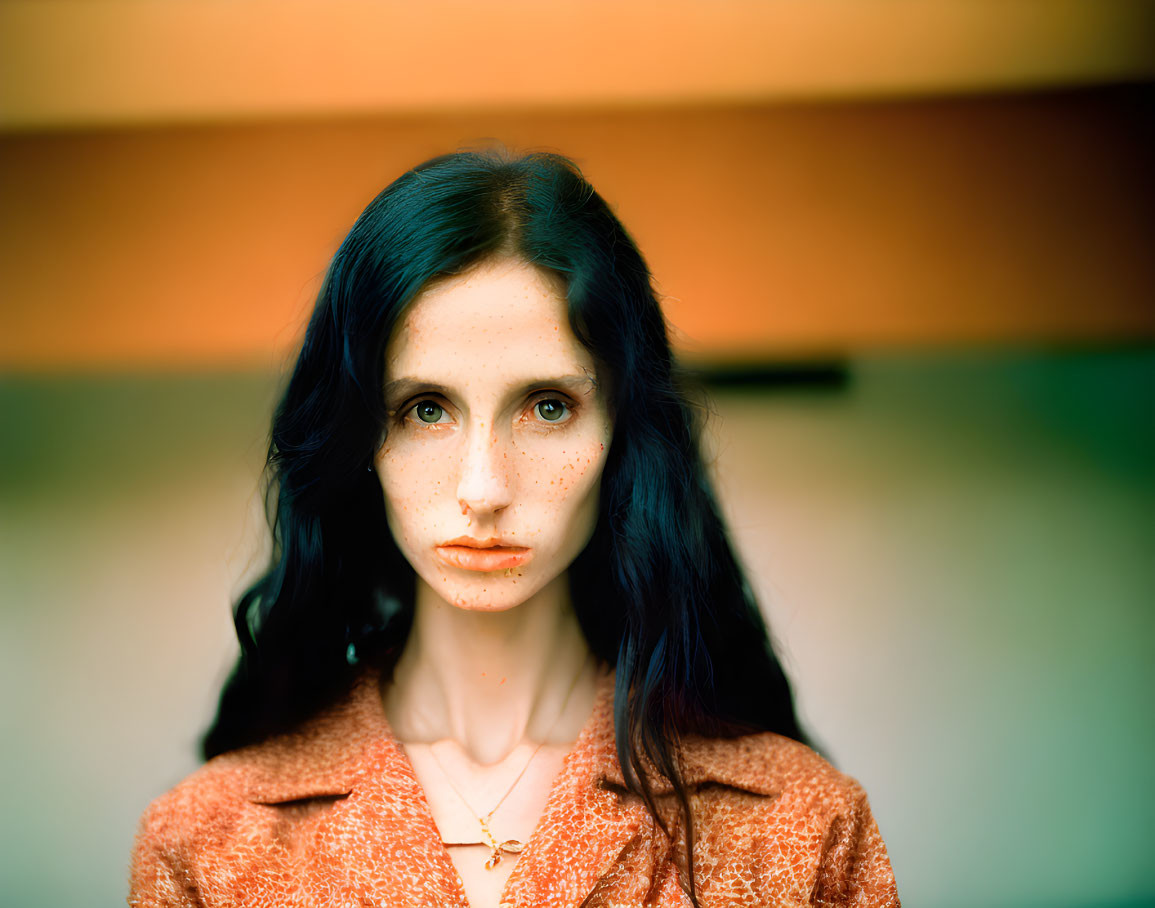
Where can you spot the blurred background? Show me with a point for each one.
(907, 244)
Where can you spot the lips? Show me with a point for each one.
(482, 554)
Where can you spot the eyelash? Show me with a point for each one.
(406, 413)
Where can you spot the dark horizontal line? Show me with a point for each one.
(826, 376)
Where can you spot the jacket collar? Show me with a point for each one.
(733, 762)
(329, 754)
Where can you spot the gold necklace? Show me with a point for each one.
(510, 846)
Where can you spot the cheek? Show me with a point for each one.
(412, 482)
(565, 480)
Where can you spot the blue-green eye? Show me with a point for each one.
(428, 411)
(551, 410)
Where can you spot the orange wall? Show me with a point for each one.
(773, 230)
(71, 63)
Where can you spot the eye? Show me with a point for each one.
(428, 411)
(551, 409)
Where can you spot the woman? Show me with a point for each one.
(504, 652)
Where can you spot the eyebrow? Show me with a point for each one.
(402, 388)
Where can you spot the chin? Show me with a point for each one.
(485, 602)
(493, 605)
(491, 594)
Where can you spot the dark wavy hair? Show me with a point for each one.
(658, 591)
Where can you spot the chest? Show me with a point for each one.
(485, 815)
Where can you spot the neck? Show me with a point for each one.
(491, 680)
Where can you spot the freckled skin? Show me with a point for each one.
(483, 347)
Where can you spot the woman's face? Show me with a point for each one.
(497, 436)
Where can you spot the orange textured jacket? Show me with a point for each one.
(333, 815)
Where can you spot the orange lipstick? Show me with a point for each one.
(471, 554)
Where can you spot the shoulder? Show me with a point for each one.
(770, 812)
(777, 768)
(228, 817)
(200, 802)
(179, 829)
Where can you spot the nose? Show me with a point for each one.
(484, 486)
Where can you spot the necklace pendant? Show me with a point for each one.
(509, 846)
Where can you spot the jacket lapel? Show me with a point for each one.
(376, 844)
(601, 840)
(322, 758)
(383, 843)
(590, 832)
(586, 828)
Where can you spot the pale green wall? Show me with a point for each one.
(959, 558)
(957, 553)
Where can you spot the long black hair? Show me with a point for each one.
(658, 591)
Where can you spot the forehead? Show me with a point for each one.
(502, 320)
